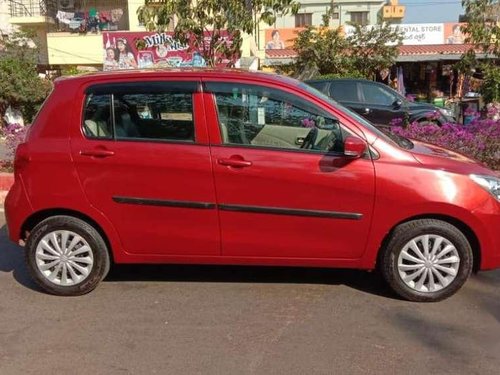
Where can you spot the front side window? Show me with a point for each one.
(374, 94)
(253, 115)
(140, 111)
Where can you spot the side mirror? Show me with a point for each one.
(397, 103)
(354, 147)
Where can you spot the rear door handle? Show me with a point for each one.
(237, 163)
(98, 153)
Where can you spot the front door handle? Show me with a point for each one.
(236, 163)
(98, 153)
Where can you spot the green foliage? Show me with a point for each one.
(491, 84)
(71, 70)
(373, 49)
(323, 50)
(20, 86)
(483, 32)
(361, 54)
(194, 18)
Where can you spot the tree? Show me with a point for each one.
(322, 50)
(363, 52)
(373, 49)
(223, 21)
(20, 85)
(483, 33)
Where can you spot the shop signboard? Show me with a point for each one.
(131, 50)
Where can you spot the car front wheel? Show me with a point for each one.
(426, 260)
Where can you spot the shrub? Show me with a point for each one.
(14, 135)
(479, 140)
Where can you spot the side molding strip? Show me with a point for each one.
(164, 203)
(291, 212)
(239, 208)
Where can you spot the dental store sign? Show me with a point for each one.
(425, 33)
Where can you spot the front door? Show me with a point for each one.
(143, 161)
(382, 104)
(284, 188)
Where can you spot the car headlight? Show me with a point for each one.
(489, 183)
(446, 112)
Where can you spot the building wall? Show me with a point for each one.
(75, 49)
(5, 26)
(345, 7)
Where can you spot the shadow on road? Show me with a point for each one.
(367, 282)
(12, 261)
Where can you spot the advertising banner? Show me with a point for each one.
(281, 38)
(453, 33)
(132, 50)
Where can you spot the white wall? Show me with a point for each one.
(318, 8)
(5, 26)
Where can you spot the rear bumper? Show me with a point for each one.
(17, 209)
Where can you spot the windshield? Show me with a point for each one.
(387, 135)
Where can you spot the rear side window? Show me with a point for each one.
(344, 91)
(97, 117)
(141, 111)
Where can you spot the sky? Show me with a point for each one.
(429, 11)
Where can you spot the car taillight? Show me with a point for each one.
(22, 157)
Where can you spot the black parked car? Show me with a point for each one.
(378, 102)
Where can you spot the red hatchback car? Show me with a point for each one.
(228, 167)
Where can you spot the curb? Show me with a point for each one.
(6, 181)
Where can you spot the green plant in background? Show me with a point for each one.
(361, 54)
(321, 50)
(196, 19)
(372, 49)
(491, 84)
(70, 70)
(483, 33)
(20, 85)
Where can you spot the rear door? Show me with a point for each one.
(143, 160)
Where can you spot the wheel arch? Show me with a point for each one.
(41, 215)
(460, 225)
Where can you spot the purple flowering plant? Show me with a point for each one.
(14, 134)
(480, 139)
(308, 123)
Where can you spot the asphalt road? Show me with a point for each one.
(236, 320)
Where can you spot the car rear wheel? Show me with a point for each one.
(66, 256)
(426, 260)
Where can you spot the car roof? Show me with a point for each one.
(173, 72)
(339, 80)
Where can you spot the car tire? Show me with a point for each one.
(66, 256)
(426, 260)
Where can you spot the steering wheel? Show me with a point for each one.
(310, 139)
